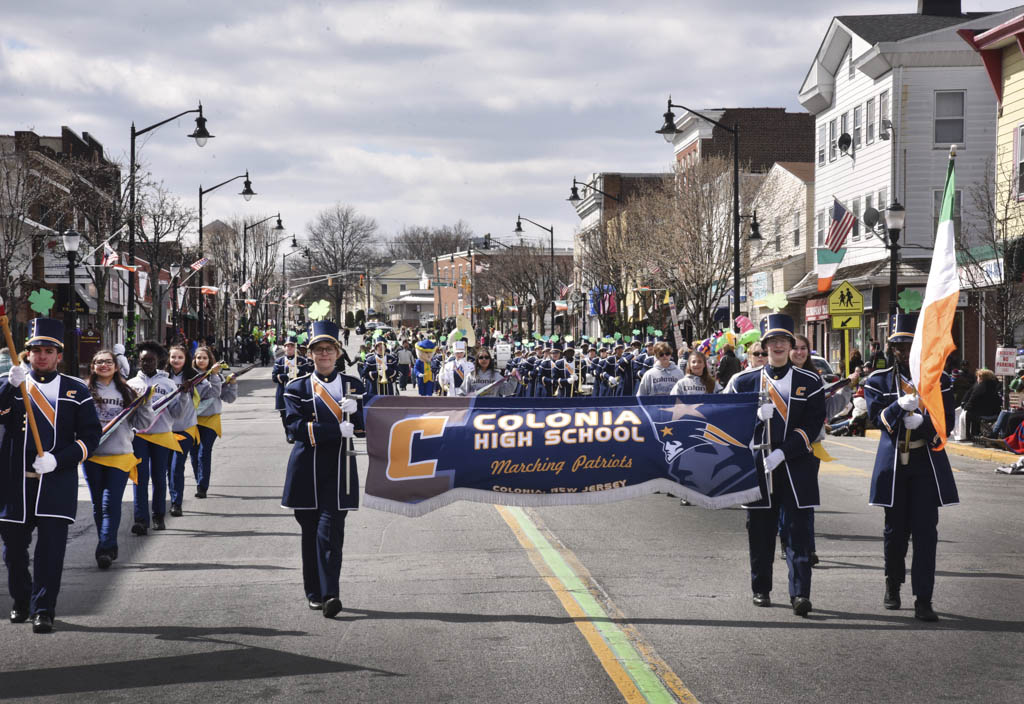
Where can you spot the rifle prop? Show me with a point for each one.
(29, 414)
(114, 422)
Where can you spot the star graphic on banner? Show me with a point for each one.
(666, 431)
(684, 410)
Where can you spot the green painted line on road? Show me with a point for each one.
(646, 681)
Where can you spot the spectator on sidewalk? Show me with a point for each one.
(983, 402)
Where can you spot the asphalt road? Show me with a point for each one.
(472, 603)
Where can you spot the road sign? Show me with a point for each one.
(845, 300)
(1006, 361)
(845, 322)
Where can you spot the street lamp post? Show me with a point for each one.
(175, 269)
(894, 220)
(201, 135)
(246, 193)
(284, 287)
(574, 194)
(71, 242)
(550, 231)
(276, 229)
(668, 131)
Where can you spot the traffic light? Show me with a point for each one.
(362, 279)
(487, 241)
(330, 282)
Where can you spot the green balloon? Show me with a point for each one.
(444, 338)
(617, 336)
(568, 338)
(536, 336)
(650, 330)
(554, 338)
(637, 332)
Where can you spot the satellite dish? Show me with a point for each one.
(870, 217)
(845, 142)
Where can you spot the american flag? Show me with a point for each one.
(109, 256)
(209, 290)
(199, 264)
(842, 223)
(245, 286)
(563, 289)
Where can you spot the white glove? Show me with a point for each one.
(908, 402)
(913, 421)
(773, 460)
(45, 463)
(17, 376)
(572, 378)
(766, 411)
(349, 405)
(614, 381)
(347, 429)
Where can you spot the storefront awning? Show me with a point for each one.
(911, 272)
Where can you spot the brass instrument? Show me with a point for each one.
(765, 447)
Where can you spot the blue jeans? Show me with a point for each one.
(106, 485)
(177, 468)
(155, 462)
(202, 457)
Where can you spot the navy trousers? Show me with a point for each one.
(914, 513)
(202, 457)
(155, 461)
(106, 485)
(762, 527)
(177, 468)
(38, 590)
(323, 538)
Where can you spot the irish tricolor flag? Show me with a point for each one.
(933, 339)
(828, 263)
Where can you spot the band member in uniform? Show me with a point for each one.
(453, 376)
(911, 478)
(211, 400)
(382, 371)
(789, 419)
(40, 492)
(184, 421)
(113, 461)
(153, 444)
(423, 371)
(322, 484)
(566, 374)
(286, 368)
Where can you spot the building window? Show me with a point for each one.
(937, 197)
(883, 106)
(383, 289)
(832, 140)
(855, 209)
(869, 127)
(401, 287)
(853, 69)
(869, 201)
(883, 199)
(796, 228)
(949, 117)
(857, 117)
(844, 124)
(821, 144)
(1020, 161)
(778, 234)
(821, 229)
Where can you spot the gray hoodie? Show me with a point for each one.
(212, 399)
(659, 381)
(162, 387)
(184, 415)
(108, 404)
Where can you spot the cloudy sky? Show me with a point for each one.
(414, 112)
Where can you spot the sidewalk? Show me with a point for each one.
(971, 450)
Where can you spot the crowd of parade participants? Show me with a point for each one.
(146, 428)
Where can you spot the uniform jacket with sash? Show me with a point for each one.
(69, 429)
(318, 456)
(454, 375)
(382, 380)
(881, 395)
(285, 370)
(799, 401)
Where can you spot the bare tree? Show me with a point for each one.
(679, 235)
(164, 221)
(424, 243)
(341, 242)
(21, 196)
(521, 275)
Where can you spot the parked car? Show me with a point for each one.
(824, 368)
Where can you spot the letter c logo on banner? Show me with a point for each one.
(400, 464)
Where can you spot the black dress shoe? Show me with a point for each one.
(814, 559)
(332, 607)
(762, 599)
(801, 605)
(158, 523)
(200, 493)
(41, 623)
(175, 510)
(103, 561)
(923, 611)
(19, 614)
(139, 528)
(892, 595)
(316, 605)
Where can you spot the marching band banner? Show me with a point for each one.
(425, 453)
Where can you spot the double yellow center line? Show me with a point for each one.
(631, 663)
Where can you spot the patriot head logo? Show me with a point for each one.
(700, 454)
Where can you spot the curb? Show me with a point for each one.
(964, 450)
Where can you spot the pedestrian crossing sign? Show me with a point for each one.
(845, 300)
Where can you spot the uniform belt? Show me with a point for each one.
(916, 444)
(33, 475)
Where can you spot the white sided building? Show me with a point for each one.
(914, 72)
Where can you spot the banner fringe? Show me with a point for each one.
(578, 498)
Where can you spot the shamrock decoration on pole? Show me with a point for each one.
(776, 301)
(910, 300)
(41, 301)
(319, 310)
